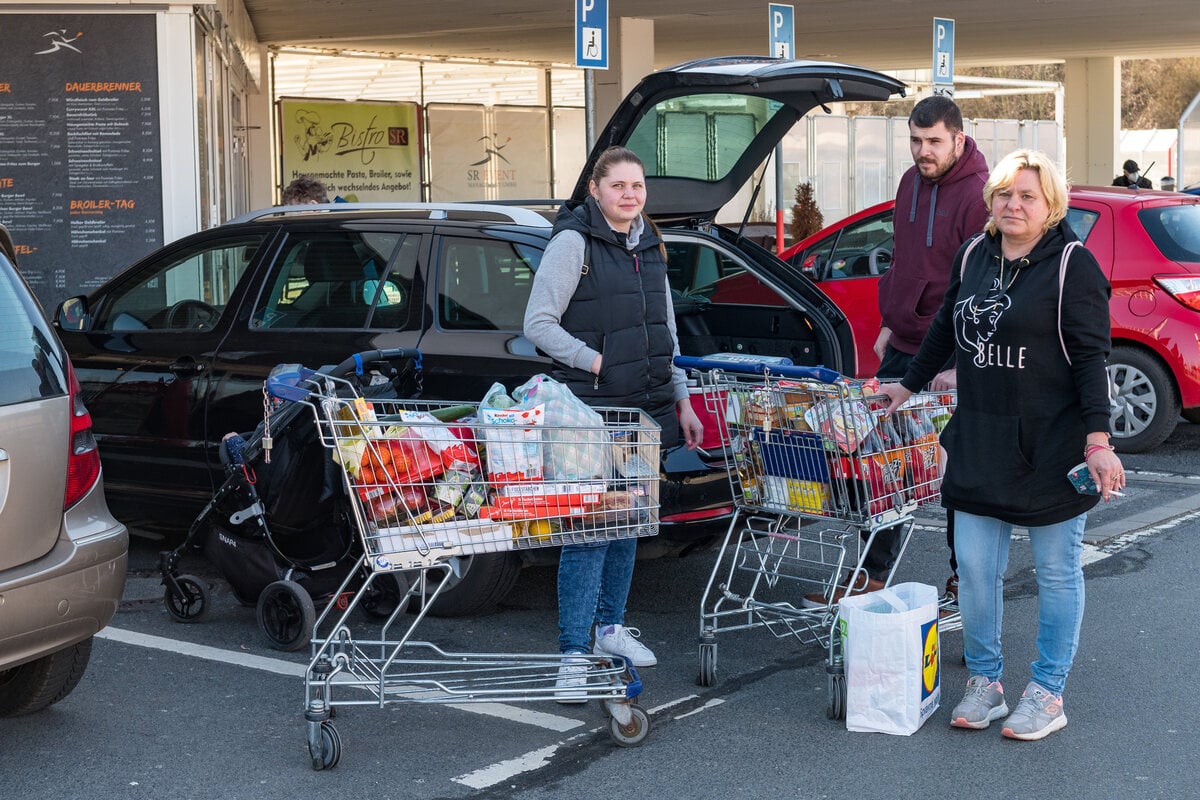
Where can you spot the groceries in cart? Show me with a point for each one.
(819, 471)
(428, 483)
(829, 448)
(523, 470)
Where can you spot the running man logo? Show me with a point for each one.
(59, 41)
(931, 660)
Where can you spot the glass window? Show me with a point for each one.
(699, 136)
(341, 280)
(189, 290)
(1175, 231)
(859, 250)
(30, 364)
(1081, 222)
(484, 284)
(814, 260)
(693, 268)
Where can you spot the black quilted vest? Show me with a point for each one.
(620, 310)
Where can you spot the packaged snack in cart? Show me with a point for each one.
(844, 423)
(924, 468)
(454, 453)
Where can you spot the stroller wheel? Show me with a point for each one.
(190, 603)
(286, 614)
(384, 594)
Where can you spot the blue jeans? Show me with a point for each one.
(593, 585)
(982, 546)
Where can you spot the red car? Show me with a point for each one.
(1147, 242)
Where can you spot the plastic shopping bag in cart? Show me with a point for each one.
(577, 447)
(893, 664)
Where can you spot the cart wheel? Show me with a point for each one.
(837, 695)
(708, 664)
(191, 603)
(384, 594)
(331, 748)
(633, 733)
(286, 614)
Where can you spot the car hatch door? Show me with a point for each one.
(702, 128)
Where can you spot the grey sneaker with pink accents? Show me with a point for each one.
(1038, 715)
(982, 703)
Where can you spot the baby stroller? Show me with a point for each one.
(279, 529)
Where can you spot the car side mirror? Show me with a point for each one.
(73, 314)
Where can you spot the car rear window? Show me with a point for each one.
(31, 365)
(1175, 230)
(699, 136)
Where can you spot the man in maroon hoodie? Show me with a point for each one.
(939, 205)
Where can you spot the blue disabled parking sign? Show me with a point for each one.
(943, 56)
(591, 34)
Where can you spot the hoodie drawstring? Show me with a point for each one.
(932, 212)
(912, 211)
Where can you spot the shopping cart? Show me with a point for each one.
(433, 482)
(814, 464)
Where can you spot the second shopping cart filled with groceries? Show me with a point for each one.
(430, 483)
(818, 471)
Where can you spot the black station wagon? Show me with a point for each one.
(172, 353)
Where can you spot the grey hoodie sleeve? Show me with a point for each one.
(678, 376)
(554, 285)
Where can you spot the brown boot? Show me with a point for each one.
(865, 584)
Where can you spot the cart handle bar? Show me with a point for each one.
(751, 367)
(290, 385)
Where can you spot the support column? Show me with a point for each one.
(630, 58)
(260, 125)
(1092, 119)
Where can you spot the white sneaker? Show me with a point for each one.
(572, 681)
(617, 640)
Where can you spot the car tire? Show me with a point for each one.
(484, 581)
(42, 683)
(1146, 404)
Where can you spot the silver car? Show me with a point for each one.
(62, 555)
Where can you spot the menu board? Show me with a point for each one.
(80, 171)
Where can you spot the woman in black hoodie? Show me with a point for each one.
(1026, 315)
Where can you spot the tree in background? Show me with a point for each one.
(806, 216)
(1154, 92)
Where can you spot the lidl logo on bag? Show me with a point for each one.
(931, 660)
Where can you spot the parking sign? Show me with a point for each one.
(591, 34)
(783, 30)
(943, 56)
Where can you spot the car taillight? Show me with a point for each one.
(83, 459)
(1184, 288)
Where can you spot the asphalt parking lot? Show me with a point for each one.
(207, 709)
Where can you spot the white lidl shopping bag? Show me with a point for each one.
(893, 665)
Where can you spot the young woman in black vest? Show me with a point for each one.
(609, 325)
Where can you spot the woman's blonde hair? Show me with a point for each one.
(1054, 185)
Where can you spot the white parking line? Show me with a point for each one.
(501, 771)
(709, 704)
(510, 768)
(525, 716)
(275, 665)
